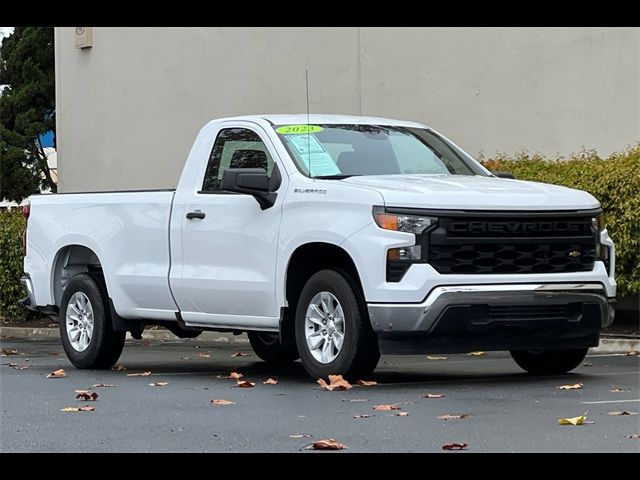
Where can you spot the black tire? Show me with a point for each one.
(359, 354)
(105, 345)
(549, 362)
(267, 346)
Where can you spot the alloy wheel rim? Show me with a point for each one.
(324, 327)
(79, 321)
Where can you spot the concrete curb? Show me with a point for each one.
(617, 345)
(607, 344)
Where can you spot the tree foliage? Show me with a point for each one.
(27, 109)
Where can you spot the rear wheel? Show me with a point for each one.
(333, 332)
(549, 362)
(86, 331)
(267, 346)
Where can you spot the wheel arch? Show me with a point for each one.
(306, 260)
(69, 261)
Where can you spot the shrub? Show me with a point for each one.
(614, 181)
(11, 268)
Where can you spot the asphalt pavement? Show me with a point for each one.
(508, 411)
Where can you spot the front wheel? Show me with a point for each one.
(333, 332)
(87, 336)
(267, 346)
(549, 362)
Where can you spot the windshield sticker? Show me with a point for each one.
(306, 144)
(322, 165)
(298, 129)
(313, 154)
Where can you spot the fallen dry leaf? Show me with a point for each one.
(86, 396)
(53, 354)
(386, 408)
(632, 353)
(329, 444)
(336, 382)
(15, 366)
(454, 417)
(366, 383)
(241, 354)
(5, 352)
(617, 390)
(245, 384)
(581, 420)
(86, 408)
(203, 355)
(222, 402)
(455, 446)
(119, 368)
(635, 435)
(300, 435)
(432, 395)
(365, 415)
(431, 357)
(60, 373)
(575, 386)
(234, 376)
(476, 354)
(402, 414)
(159, 384)
(623, 412)
(270, 381)
(139, 374)
(103, 385)
(145, 343)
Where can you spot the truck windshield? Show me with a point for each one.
(340, 151)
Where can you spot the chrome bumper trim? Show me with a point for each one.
(30, 300)
(421, 317)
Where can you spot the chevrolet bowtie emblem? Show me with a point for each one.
(575, 253)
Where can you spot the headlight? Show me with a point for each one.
(403, 223)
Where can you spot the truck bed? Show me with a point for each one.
(128, 231)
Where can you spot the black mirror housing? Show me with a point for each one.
(253, 181)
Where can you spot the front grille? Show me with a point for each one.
(507, 245)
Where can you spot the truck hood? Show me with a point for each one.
(472, 193)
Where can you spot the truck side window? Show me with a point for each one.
(235, 148)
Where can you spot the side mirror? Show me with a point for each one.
(253, 181)
(504, 175)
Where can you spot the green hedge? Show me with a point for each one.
(614, 181)
(11, 227)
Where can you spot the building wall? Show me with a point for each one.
(129, 108)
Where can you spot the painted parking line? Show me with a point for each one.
(611, 401)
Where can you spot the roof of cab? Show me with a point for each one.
(302, 119)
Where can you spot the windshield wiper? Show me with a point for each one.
(341, 176)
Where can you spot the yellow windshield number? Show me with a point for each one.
(298, 129)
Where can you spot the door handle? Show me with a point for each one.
(196, 214)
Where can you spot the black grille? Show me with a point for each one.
(502, 245)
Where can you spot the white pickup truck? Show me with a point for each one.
(331, 239)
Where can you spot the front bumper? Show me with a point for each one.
(495, 317)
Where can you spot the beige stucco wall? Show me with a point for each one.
(129, 108)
